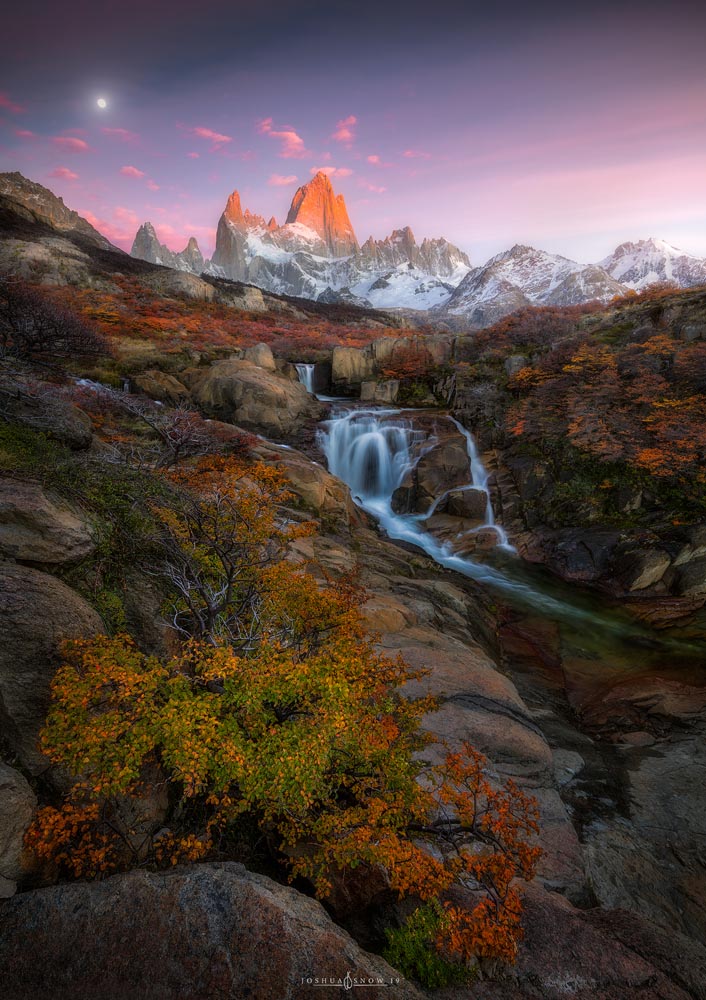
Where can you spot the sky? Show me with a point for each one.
(570, 130)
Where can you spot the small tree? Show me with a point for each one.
(33, 325)
(281, 712)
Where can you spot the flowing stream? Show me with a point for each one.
(371, 450)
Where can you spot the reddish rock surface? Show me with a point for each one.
(317, 207)
(208, 931)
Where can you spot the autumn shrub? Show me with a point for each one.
(277, 710)
(33, 324)
(412, 948)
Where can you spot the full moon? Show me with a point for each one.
(102, 103)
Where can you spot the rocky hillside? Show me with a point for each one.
(60, 492)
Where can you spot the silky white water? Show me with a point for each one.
(306, 376)
(371, 450)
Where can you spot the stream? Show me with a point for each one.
(371, 450)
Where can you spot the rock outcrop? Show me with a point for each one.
(316, 207)
(255, 398)
(146, 246)
(36, 529)
(37, 611)
(17, 805)
(211, 930)
(44, 206)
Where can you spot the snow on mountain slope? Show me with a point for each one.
(523, 277)
(647, 262)
(316, 254)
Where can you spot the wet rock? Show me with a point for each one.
(691, 580)
(443, 467)
(567, 764)
(379, 392)
(37, 611)
(212, 930)
(643, 569)
(37, 529)
(469, 503)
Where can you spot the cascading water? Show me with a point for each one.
(371, 450)
(306, 376)
(479, 479)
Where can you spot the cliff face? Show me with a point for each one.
(44, 206)
(317, 207)
(146, 246)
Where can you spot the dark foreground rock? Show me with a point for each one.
(211, 931)
(593, 955)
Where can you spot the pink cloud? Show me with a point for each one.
(126, 215)
(345, 130)
(120, 133)
(7, 105)
(377, 161)
(71, 144)
(278, 180)
(121, 235)
(292, 147)
(24, 133)
(64, 173)
(152, 186)
(131, 172)
(375, 188)
(217, 139)
(193, 156)
(332, 171)
(416, 154)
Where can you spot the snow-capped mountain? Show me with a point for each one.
(316, 255)
(646, 262)
(523, 277)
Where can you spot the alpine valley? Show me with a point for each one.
(316, 255)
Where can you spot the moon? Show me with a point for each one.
(102, 103)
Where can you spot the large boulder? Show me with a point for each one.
(594, 955)
(212, 930)
(17, 805)
(167, 281)
(162, 386)
(321, 492)
(349, 367)
(36, 529)
(261, 355)
(240, 392)
(444, 467)
(37, 612)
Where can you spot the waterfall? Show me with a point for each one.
(371, 450)
(306, 376)
(479, 479)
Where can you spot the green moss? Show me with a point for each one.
(411, 949)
